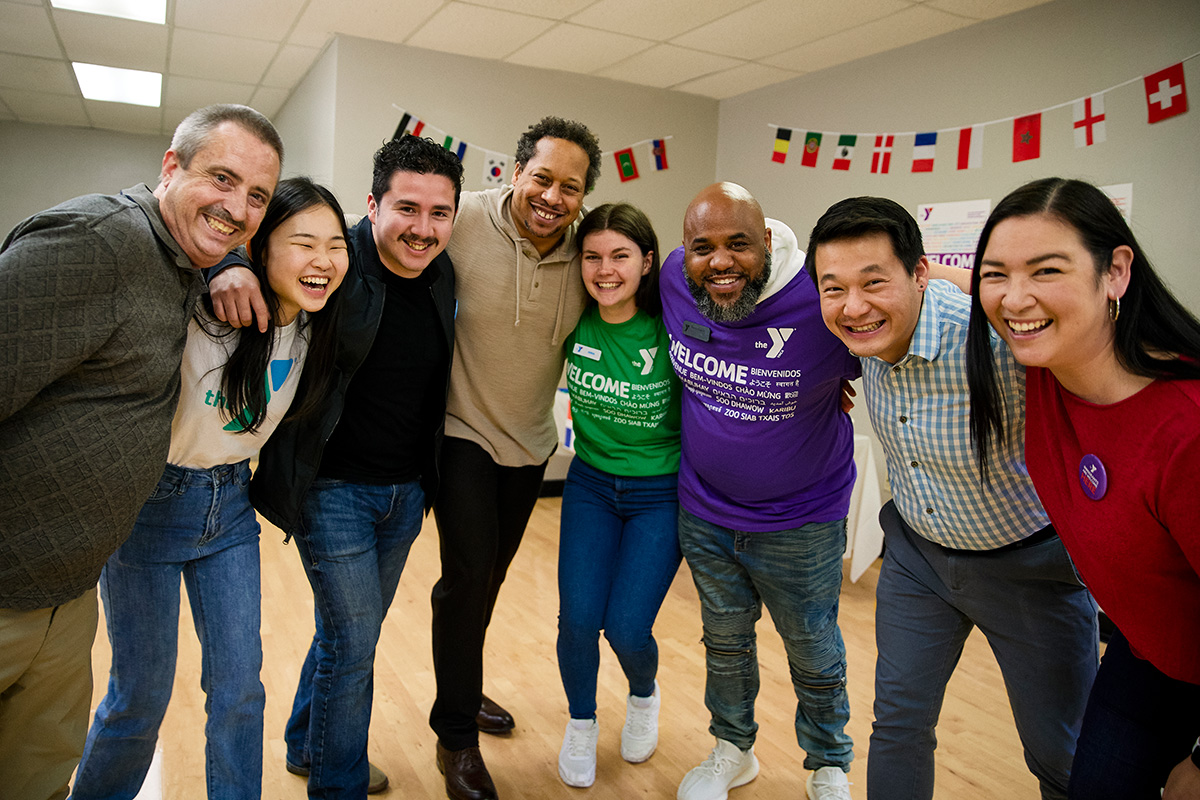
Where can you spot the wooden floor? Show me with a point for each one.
(978, 756)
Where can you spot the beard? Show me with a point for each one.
(737, 310)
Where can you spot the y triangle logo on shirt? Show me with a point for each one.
(778, 337)
(648, 359)
(277, 372)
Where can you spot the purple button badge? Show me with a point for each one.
(1092, 477)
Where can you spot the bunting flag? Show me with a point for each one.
(1166, 93)
(783, 138)
(626, 166)
(658, 149)
(456, 146)
(845, 151)
(495, 169)
(881, 158)
(970, 147)
(812, 145)
(1089, 120)
(408, 124)
(1027, 137)
(923, 152)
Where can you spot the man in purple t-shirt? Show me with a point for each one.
(764, 480)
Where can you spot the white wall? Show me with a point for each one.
(307, 121)
(1011, 66)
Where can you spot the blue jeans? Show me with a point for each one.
(199, 524)
(1039, 621)
(798, 574)
(618, 552)
(353, 539)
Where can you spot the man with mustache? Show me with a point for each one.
(762, 377)
(95, 298)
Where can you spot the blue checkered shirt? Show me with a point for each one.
(920, 408)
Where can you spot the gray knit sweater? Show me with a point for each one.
(95, 297)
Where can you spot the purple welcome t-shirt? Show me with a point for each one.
(766, 446)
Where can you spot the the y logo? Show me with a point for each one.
(648, 359)
(778, 337)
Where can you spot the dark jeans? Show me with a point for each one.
(1138, 725)
(481, 510)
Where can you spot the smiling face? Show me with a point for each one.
(548, 191)
(613, 266)
(306, 259)
(413, 220)
(1040, 290)
(217, 202)
(726, 252)
(868, 299)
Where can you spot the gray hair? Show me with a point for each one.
(193, 132)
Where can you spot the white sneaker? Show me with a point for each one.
(828, 783)
(639, 737)
(726, 768)
(577, 759)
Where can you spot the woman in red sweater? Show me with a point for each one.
(1113, 446)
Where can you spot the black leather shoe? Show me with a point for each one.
(466, 775)
(493, 719)
(376, 783)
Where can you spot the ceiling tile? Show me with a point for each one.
(382, 20)
(183, 92)
(575, 49)
(559, 9)
(776, 25)
(259, 19)
(983, 9)
(39, 107)
(735, 81)
(171, 117)
(908, 26)
(667, 65)
(124, 117)
(659, 20)
(125, 43)
(290, 65)
(218, 57)
(26, 30)
(268, 101)
(478, 31)
(45, 74)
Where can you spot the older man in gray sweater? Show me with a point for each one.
(95, 297)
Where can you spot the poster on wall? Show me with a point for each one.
(1122, 196)
(951, 231)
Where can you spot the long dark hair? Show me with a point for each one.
(1156, 337)
(631, 222)
(243, 379)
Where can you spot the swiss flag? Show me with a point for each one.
(1166, 93)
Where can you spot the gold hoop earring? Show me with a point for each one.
(1114, 309)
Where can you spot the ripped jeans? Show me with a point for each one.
(798, 574)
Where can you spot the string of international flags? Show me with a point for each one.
(1166, 97)
(496, 165)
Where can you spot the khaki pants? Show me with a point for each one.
(45, 696)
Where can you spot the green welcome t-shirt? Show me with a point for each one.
(624, 395)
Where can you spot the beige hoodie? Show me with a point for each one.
(515, 308)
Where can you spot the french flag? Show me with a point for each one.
(923, 147)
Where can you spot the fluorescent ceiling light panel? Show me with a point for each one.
(114, 85)
(142, 10)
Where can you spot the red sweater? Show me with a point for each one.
(1138, 546)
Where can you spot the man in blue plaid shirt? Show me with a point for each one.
(961, 552)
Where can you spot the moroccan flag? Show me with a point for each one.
(923, 147)
(1027, 137)
(626, 166)
(1089, 120)
(845, 151)
(658, 148)
(1166, 93)
(408, 124)
(783, 139)
(970, 147)
(881, 158)
(456, 146)
(812, 145)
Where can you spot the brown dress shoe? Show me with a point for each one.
(467, 777)
(492, 718)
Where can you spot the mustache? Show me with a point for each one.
(428, 242)
(220, 213)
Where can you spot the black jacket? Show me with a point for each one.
(289, 460)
